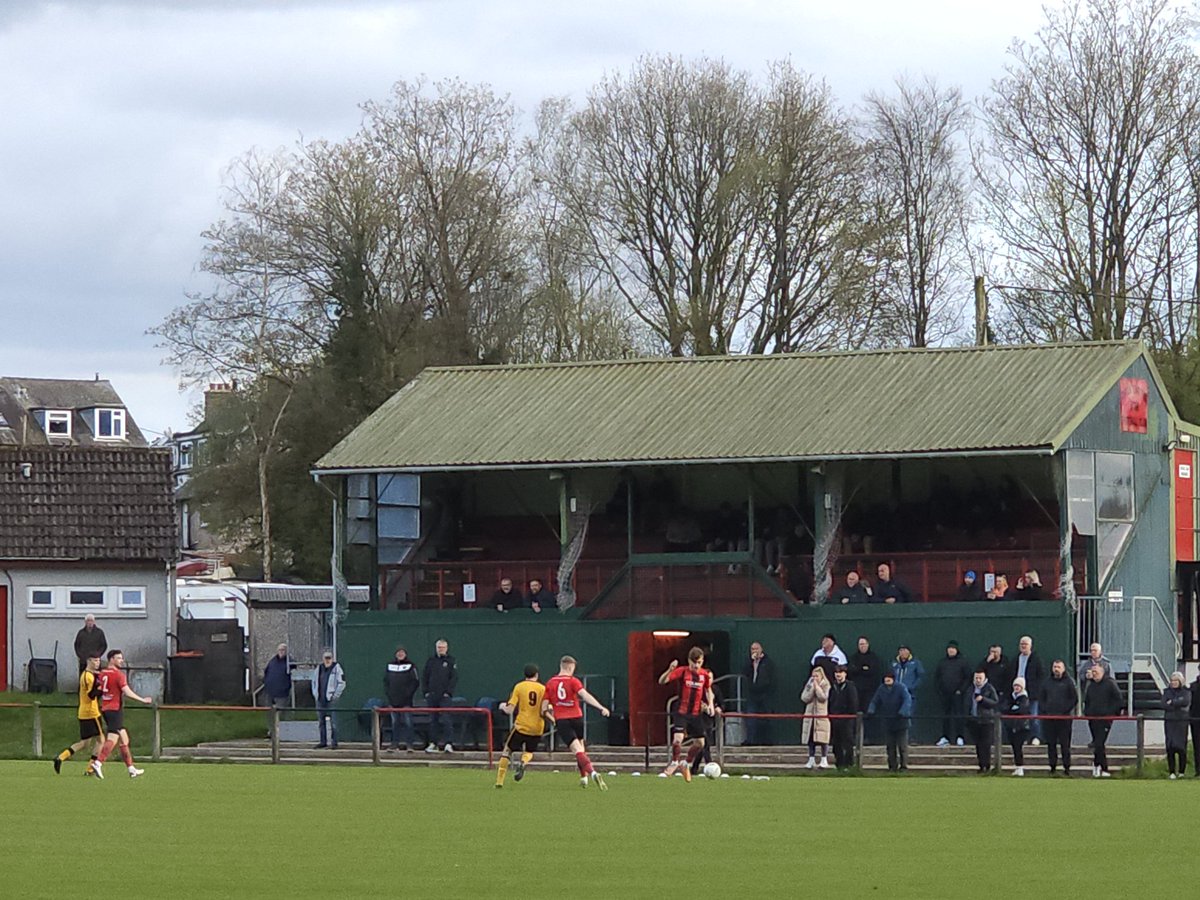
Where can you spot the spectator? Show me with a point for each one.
(760, 683)
(1028, 666)
(539, 596)
(952, 678)
(1095, 657)
(505, 598)
(970, 589)
(908, 670)
(815, 697)
(889, 590)
(1176, 702)
(440, 679)
(1101, 701)
(1195, 720)
(843, 701)
(89, 641)
(893, 705)
(277, 683)
(1016, 730)
(1000, 590)
(828, 656)
(995, 665)
(400, 680)
(853, 591)
(799, 582)
(865, 672)
(1058, 697)
(1029, 587)
(981, 715)
(327, 686)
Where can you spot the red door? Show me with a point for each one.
(649, 656)
(1185, 505)
(3, 639)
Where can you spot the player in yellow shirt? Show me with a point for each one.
(91, 725)
(526, 701)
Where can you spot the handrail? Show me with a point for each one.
(1172, 629)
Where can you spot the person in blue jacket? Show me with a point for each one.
(909, 672)
(893, 706)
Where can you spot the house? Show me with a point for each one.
(202, 555)
(86, 526)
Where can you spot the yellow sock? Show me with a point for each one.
(66, 754)
(526, 757)
(502, 770)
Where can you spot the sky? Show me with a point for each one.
(118, 118)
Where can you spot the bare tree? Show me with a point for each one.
(667, 183)
(915, 142)
(1080, 134)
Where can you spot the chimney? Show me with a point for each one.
(216, 394)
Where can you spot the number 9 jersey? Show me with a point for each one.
(526, 698)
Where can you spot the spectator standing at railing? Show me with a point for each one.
(888, 589)
(1101, 701)
(328, 684)
(970, 590)
(1029, 587)
(843, 701)
(506, 597)
(89, 641)
(815, 697)
(952, 678)
(277, 683)
(865, 670)
(853, 591)
(981, 717)
(1058, 697)
(828, 656)
(1016, 729)
(759, 672)
(440, 679)
(892, 705)
(539, 597)
(1095, 657)
(1176, 702)
(1028, 666)
(400, 680)
(995, 665)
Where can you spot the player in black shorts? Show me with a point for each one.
(569, 730)
(114, 720)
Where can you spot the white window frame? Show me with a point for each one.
(58, 415)
(114, 605)
(139, 604)
(185, 455)
(91, 589)
(43, 607)
(117, 418)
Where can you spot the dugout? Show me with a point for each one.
(615, 484)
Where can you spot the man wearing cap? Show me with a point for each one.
(327, 686)
(952, 678)
(828, 656)
(970, 590)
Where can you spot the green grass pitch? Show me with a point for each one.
(211, 830)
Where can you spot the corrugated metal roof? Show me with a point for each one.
(878, 403)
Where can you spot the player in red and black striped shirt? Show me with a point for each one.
(695, 700)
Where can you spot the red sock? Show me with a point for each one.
(585, 764)
(692, 753)
(126, 755)
(676, 752)
(104, 751)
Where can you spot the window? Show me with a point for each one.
(110, 424)
(185, 455)
(1114, 487)
(132, 598)
(58, 423)
(86, 597)
(41, 597)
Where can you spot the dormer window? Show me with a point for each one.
(185, 455)
(110, 424)
(58, 423)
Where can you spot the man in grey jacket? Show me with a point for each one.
(327, 686)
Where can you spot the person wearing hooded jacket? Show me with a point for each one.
(400, 680)
(1101, 701)
(952, 678)
(1058, 697)
(981, 712)
(1176, 702)
(843, 701)
(1016, 730)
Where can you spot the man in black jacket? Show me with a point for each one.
(889, 590)
(865, 671)
(1028, 665)
(759, 671)
(1058, 697)
(843, 701)
(981, 718)
(89, 641)
(400, 680)
(440, 679)
(1101, 699)
(952, 678)
(506, 597)
(995, 665)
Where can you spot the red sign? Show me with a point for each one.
(1135, 404)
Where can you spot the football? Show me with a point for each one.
(712, 770)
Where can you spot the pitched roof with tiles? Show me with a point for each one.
(754, 408)
(86, 503)
(19, 397)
